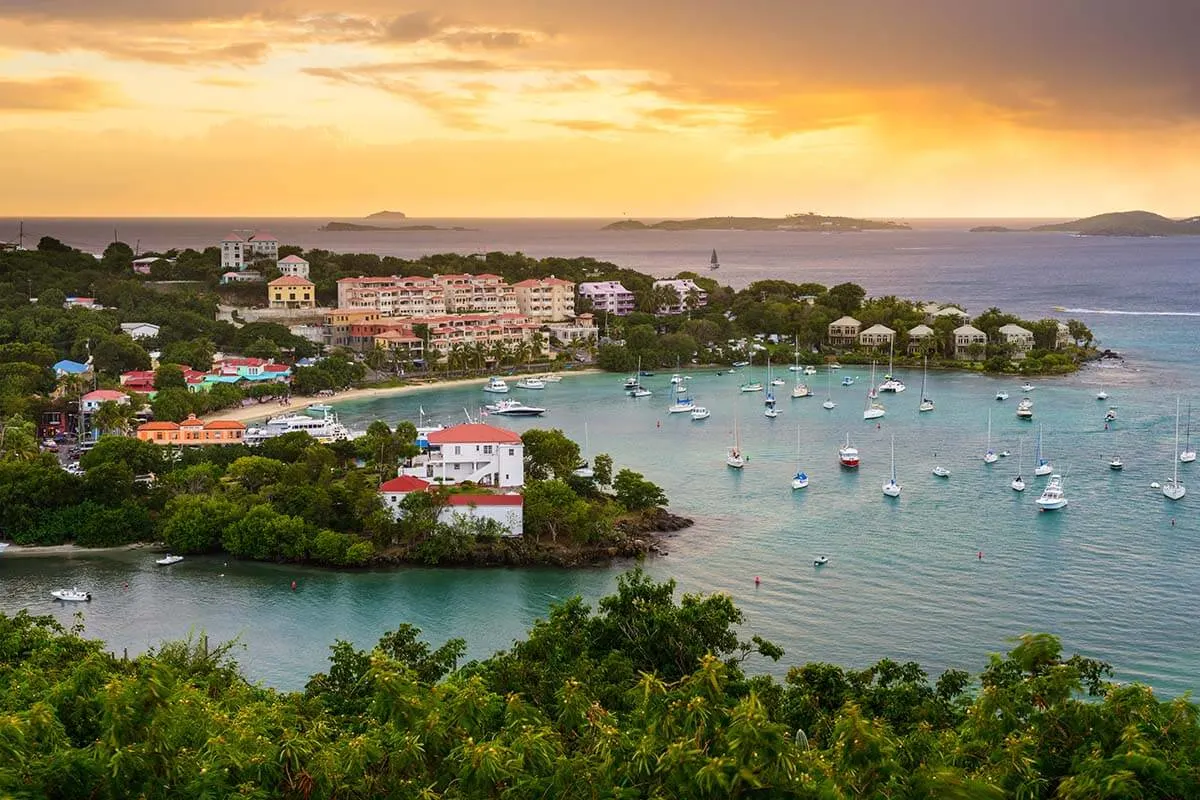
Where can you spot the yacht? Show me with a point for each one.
(1025, 408)
(1101, 395)
(828, 405)
(1172, 489)
(1052, 497)
(514, 408)
(892, 488)
(874, 409)
(168, 560)
(926, 404)
(631, 382)
(809, 369)
(682, 405)
(1027, 387)
(325, 429)
(940, 471)
(751, 387)
(1116, 464)
(551, 378)
(1042, 467)
(639, 391)
(496, 386)
(72, 595)
(890, 382)
(1002, 395)
(734, 458)
(771, 412)
(1018, 483)
(848, 455)
(531, 383)
(699, 413)
(800, 390)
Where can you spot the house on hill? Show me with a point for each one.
(844, 331)
(505, 509)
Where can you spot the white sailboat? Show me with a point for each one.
(633, 386)
(1188, 454)
(989, 456)
(800, 479)
(926, 403)
(800, 389)
(1042, 468)
(874, 409)
(891, 488)
(890, 383)
(769, 399)
(735, 459)
(1018, 483)
(585, 469)
(1173, 489)
(828, 405)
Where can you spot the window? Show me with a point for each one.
(457, 450)
(511, 451)
(487, 449)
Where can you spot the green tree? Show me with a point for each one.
(117, 354)
(636, 493)
(117, 258)
(602, 469)
(172, 404)
(114, 417)
(169, 376)
(549, 453)
(195, 524)
(141, 457)
(846, 298)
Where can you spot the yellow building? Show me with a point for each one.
(292, 291)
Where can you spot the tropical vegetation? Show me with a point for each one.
(642, 697)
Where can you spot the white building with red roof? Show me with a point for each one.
(472, 453)
(239, 249)
(91, 401)
(545, 299)
(506, 509)
(293, 265)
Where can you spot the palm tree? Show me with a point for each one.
(113, 417)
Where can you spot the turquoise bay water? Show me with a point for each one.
(1111, 574)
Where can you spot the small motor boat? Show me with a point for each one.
(1001, 395)
(820, 561)
(1005, 454)
(1101, 395)
(72, 595)
(1116, 464)
(1027, 387)
(168, 560)
(1155, 485)
(941, 471)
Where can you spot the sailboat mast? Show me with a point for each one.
(1175, 459)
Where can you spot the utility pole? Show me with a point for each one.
(21, 235)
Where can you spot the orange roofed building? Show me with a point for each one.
(192, 432)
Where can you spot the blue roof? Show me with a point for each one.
(223, 378)
(70, 367)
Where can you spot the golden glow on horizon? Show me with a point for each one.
(517, 108)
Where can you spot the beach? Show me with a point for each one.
(20, 551)
(272, 407)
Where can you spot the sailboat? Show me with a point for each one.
(1188, 454)
(848, 455)
(735, 459)
(890, 383)
(585, 469)
(800, 389)
(990, 456)
(749, 386)
(714, 263)
(891, 488)
(874, 409)
(1042, 467)
(769, 400)
(800, 479)
(633, 386)
(1018, 483)
(1173, 489)
(828, 405)
(926, 403)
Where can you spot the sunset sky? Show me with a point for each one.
(566, 108)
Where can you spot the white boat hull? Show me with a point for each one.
(1187, 456)
(699, 415)
(1174, 491)
(829, 405)
(891, 489)
(71, 595)
(1018, 485)
(990, 458)
(799, 484)
(925, 406)
(873, 413)
(1051, 505)
(1043, 470)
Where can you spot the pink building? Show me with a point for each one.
(608, 296)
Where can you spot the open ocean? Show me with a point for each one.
(1115, 574)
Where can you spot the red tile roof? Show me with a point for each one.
(224, 425)
(544, 282)
(276, 368)
(291, 280)
(292, 260)
(404, 484)
(233, 237)
(101, 395)
(263, 237)
(158, 426)
(474, 433)
(485, 500)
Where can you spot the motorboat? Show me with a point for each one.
(531, 383)
(1110, 415)
(848, 455)
(1027, 387)
(1052, 497)
(631, 382)
(740, 364)
(771, 412)
(551, 378)
(940, 471)
(1005, 454)
(676, 378)
(829, 405)
(835, 365)
(820, 561)
(699, 413)
(778, 382)
(847, 380)
(800, 390)
(168, 560)
(892, 488)
(1172, 489)
(514, 408)
(496, 386)
(1155, 485)
(1101, 395)
(1001, 395)
(72, 595)
(1025, 408)
(1116, 464)
(682, 405)
(1042, 468)
(809, 369)
(325, 429)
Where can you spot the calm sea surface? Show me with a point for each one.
(1114, 574)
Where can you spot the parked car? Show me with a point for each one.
(50, 445)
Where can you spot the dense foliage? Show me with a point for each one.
(641, 698)
(294, 499)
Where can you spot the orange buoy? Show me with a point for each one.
(757, 580)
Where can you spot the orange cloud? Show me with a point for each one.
(60, 93)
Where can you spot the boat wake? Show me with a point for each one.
(1119, 312)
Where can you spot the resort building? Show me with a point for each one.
(142, 266)
(956, 314)
(877, 336)
(239, 251)
(445, 332)
(506, 509)
(192, 432)
(139, 330)
(483, 293)
(844, 331)
(545, 299)
(401, 344)
(472, 452)
(91, 401)
(1020, 339)
(964, 337)
(391, 296)
(242, 276)
(291, 291)
(917, 336)
(581, 329)
(293, 265)
(690, 296)
(608, 296)
(1063, 338)
(339, 322)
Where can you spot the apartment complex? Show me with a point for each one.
(690, 295)
(240, 249)
(608, 297)
(545, 299)
(415, 296)
(291, 291)
(444, 332)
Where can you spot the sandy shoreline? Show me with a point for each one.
(26, 551)
(271, 408)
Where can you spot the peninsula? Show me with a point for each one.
(810, 223)
(1116, 223)
(354, 227)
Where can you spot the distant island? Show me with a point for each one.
(387, 215)
(993, 229)
(792, 222)
(1128, 223)
(354, 227)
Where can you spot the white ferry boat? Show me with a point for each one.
(324, 429)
